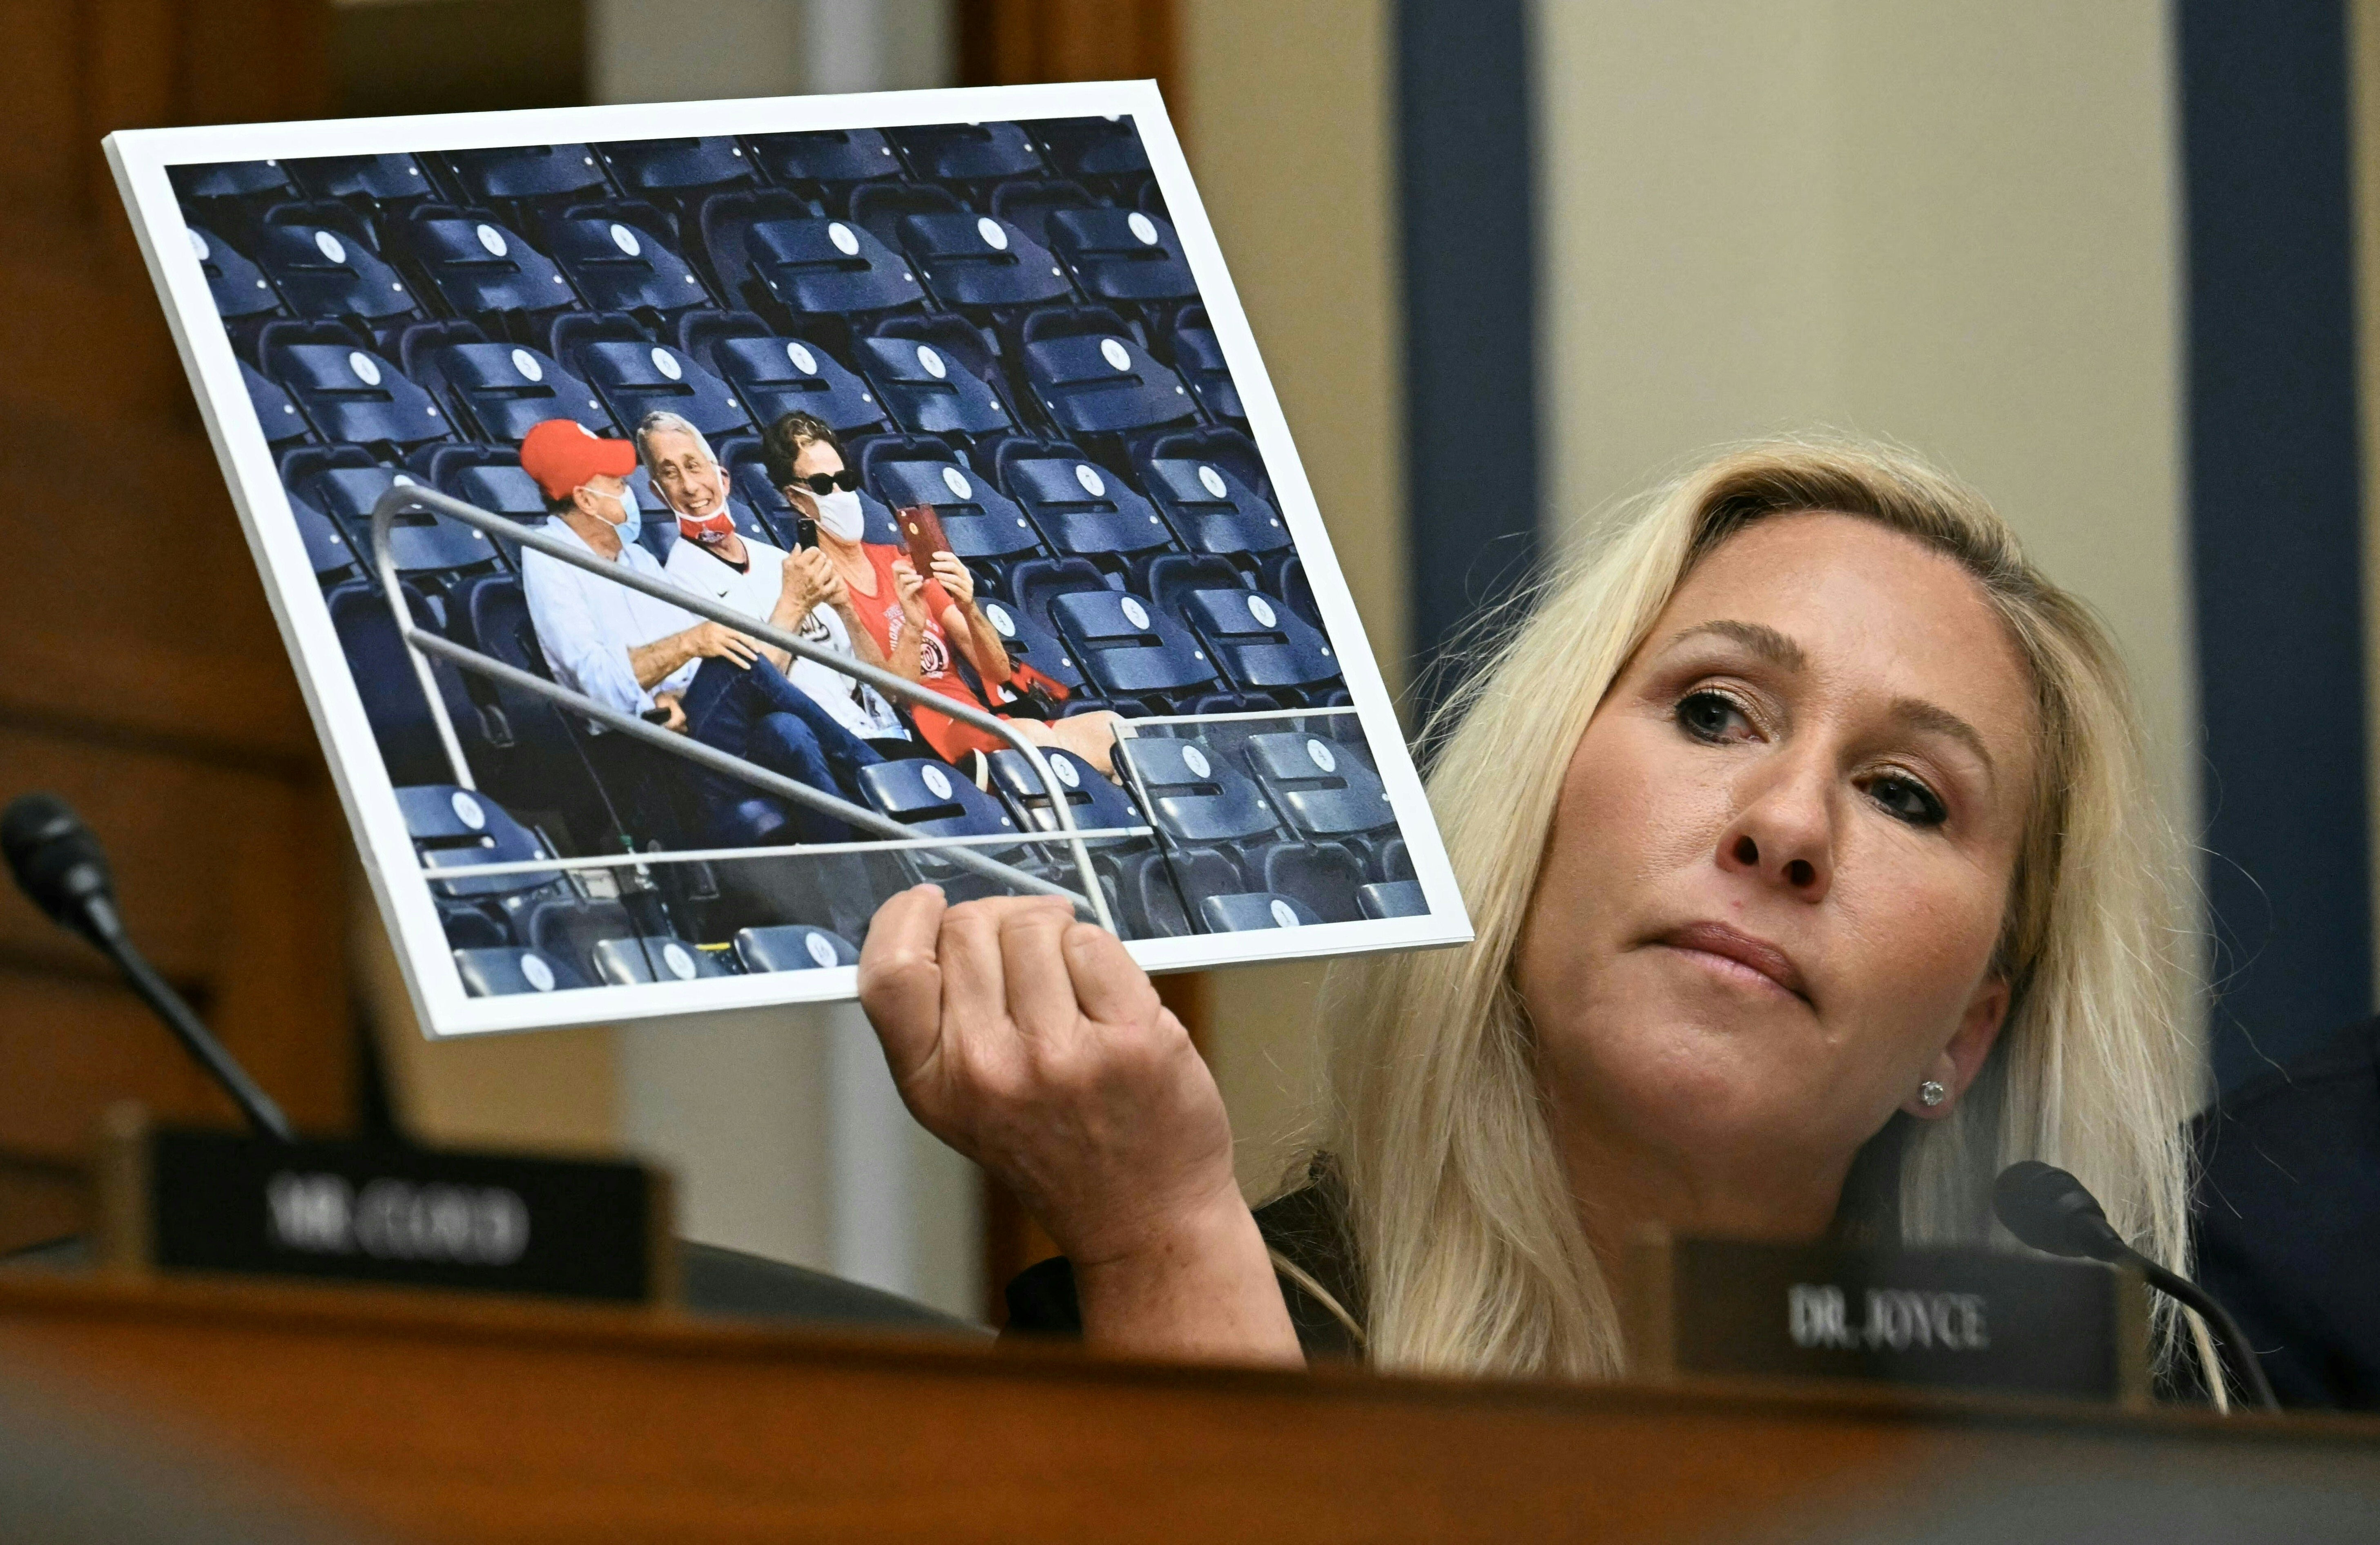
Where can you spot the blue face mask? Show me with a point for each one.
(636, 519)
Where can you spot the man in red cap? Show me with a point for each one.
(638, 654)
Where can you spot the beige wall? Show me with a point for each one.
(1286, 119)
(1947, 223)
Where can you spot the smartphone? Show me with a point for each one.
(805, 531)
(922, 529)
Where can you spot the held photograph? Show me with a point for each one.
(695, 523)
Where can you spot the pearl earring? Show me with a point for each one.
(1931, 1093)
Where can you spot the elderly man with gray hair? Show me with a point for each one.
(800, 591)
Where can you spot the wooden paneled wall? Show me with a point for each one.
(141, 674)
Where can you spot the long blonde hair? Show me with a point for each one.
(1460, 1214)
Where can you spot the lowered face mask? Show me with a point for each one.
(709, 530)
(839, 516)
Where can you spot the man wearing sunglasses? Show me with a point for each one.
(638, 654)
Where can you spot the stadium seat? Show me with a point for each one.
(959, 341)
(1128, 648)
(1094, 801)
(478, 269)
(1029, 204)
(1149, 889)
(1082, 508)
(634, 377)
(1094, 147)
(1192, 791)
(1122, 255)
(1392, 898)
(498, 973)
(620, 266)
(351, 395)
(569, 930)
(328, 273)
(499, 392)
(1254, 909)
(1229, 449)
(385, 679)
(1394, 860)
(532, 757)
(1029, 638)
(1212, 509)
(1321, 785)
(1172, 577)
(1199, 357)
(936, 800)
(676, 167)
(230, 180)
(327, 547)
(652, 957)
(881, 206)
(775, 376)
(529, 174)
(1103, 385)
(490, 477)
(966, 152)
(276, 410)
(379, 180)
(724, 223)
(977, 262)
(831, 161)
(1285, 577)
(825, 267)
(981, 522)
(422, 544)
(239, 287)
(1260, 643)
(927, 393)
(453, 827)
(1323, 877)
(793, 947)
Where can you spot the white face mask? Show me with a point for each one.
(839, 515)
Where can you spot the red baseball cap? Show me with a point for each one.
(562, 454)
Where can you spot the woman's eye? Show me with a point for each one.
(1711, 717)
(1907, 800)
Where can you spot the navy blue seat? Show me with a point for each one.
(1195, 795)
(420, 542)
(1029, 204)
(676, 167)
(1027, 639)
(1128, 648)
(1323, 877)
(620, 266)
(1091, 798)
(385, 679)
(881, 206)
(1261, 644)
(503, 971)
(490, 477)
(1392, 898)
(826, 159)
(935, 800)
(505, 390)
(1081, 508)
(1229, 449)
(959, 341)
(724, 225)
(793, 947)
(1033, 585)
(652, 957)
(381, 180)
(1150, 888)
(528, 173)
(1198, 356)
(1254, 909)
(239, 287)
(929, 393)
(1103, 385)
(1094, 147)
(1392, 860)
(1122, 255)
(455, 827)
(1212, 509)
(327, 547)
(331, 273)
(981, 522)
(477, 268)
(229, 180)
(775, 376)
(532, 755)
(1285, 577)
(966, 152)
(276, 410)
(978, 261)
(634, 377)
(351, 395)
(826, 267)
(1322, 787)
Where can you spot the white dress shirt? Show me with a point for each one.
(754, 592)
(586, 624)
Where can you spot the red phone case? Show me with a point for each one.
(922, 529)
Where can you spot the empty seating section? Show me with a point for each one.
(999, 319)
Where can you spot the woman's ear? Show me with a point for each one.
(1955, 1066)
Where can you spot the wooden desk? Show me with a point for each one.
(441, 1418)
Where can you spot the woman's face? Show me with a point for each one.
(1781, 858)
(817, 457)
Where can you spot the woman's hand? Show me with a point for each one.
(909, 590)
(957, 580)
(1034, 1045)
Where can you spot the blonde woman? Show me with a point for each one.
(1842, 892)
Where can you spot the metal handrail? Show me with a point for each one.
(420, 643)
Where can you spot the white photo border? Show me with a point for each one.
(139, 158)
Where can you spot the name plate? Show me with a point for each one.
(1953, 1317)
(190, 1200)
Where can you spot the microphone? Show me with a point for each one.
(2051, 1210)
(61, 868)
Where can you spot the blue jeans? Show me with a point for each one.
(754, 712)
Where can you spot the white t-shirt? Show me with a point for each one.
(856, 707)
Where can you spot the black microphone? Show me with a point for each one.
(61, 868)
(2051, 1210)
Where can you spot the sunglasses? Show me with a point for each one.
(823, 483)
